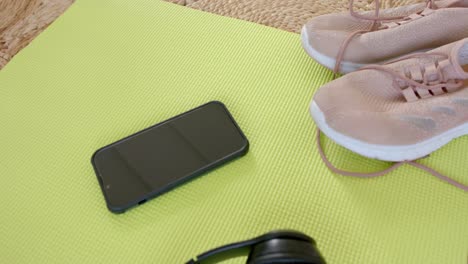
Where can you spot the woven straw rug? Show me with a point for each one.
(288, 15)
(22, 20)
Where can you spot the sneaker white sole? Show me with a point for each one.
(346, 66)
(385, 152)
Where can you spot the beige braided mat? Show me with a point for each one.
(22, 20)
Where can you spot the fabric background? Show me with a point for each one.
(109, 68)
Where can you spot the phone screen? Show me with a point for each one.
(161, 157)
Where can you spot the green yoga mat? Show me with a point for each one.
(109, 68)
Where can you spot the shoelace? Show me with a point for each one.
(384, 172)
(421, 88)
(375, 20)
(396, 165)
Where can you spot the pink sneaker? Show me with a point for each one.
(400, 111)
(346, 42)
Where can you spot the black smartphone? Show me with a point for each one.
(159, 158)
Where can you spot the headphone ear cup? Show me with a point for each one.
(283, 250)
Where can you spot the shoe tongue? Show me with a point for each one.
(457, 62)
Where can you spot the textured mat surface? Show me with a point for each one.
(109, 68)
(22, 20)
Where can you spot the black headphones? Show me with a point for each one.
(278, 247)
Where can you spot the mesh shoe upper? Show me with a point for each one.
(421, 30)
(370, 104)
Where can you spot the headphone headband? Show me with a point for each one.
(244, 245)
